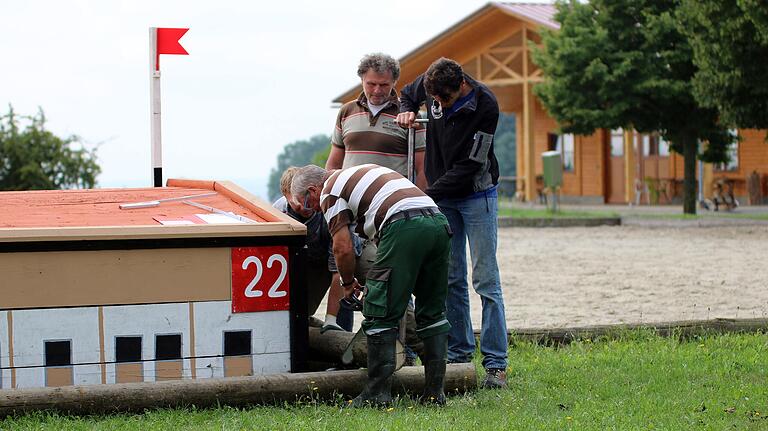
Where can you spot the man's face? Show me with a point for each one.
(377, 86)
(447, 100)
(308, 201)
(298, 207)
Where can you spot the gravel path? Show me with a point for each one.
(582, 276)
(560, 277)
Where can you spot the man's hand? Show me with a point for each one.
(352, 289)
(353, 297)
(406, 119)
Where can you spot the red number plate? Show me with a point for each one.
(260, 279)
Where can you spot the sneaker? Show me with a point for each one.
(330, 327)
(495, 378)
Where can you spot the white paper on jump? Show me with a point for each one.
(175, 222)
(218, 219)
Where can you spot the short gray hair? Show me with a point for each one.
(306, 176)
(380, 63)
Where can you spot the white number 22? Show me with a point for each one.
(251, 291)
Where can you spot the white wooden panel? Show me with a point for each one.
(145, 321)
(272, 363)
(30, 377)
(87, 374)
(270, 339)
(31, 328)
(5, 375)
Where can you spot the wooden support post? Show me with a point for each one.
(707, 180)
(529, 147)
(236, 391)
(629, 166)
(520, 159)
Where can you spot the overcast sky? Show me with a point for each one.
(259, 75)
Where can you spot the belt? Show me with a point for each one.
(412, 213)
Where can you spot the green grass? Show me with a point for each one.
(636, 382)
(542, 213)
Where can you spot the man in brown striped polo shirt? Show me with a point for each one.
(366, 131)
(412, 259)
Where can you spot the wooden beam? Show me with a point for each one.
(629, 165)
(506, 49)
(707, 180)
(235, 391)
(519, 155)
(529, 113)
(683, 328)
(502, 66)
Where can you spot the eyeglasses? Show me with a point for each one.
(306, 200)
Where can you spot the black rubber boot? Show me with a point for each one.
(381, 366)
(435, 352)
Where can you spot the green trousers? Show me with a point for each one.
(412, 259)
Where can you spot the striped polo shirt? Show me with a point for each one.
(366, 196)
(368, 138)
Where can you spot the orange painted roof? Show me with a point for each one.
(101, 207)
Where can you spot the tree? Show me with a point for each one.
(298, 153)
(618, 64)
(730, 45)
(33, 158)
(321, 157)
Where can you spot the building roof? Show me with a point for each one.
(540, 13)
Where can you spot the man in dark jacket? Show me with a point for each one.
(462, 173)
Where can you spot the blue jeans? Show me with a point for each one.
(474, 217)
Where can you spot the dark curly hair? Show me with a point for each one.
(443, 77)
(379, 63)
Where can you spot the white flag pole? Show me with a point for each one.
(154, 96)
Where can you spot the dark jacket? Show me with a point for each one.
(459, 161)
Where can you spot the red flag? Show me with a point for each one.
(168, 43)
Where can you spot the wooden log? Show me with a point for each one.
(330, 346)
(683, 328)
(235, 391)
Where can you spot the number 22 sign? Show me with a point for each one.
(260, 279)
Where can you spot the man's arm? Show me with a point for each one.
(335, 158)
(412, 96)
(344, 253)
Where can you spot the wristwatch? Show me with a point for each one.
(343, 284)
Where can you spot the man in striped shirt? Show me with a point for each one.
(366, 131)
(412, 258)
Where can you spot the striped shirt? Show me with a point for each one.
(368, 138)
(367, 196)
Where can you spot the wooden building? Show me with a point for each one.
(606, 167)
(94, 294)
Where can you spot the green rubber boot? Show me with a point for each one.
(381, 366)
(435, 353)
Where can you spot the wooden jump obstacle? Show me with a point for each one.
(93, 294)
